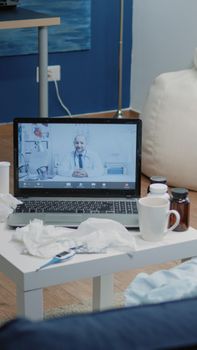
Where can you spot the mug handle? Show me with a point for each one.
(177, 215)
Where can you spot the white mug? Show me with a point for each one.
(154, 217)
(4, 177)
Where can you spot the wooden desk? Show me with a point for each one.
(23, 18)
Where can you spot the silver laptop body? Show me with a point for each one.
(80, 167)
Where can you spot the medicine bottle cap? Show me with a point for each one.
(158, 179)
(158, 188)
(179, 193)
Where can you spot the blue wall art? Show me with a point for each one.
(73, 34)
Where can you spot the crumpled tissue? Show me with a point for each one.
(7, 204)
(92, 236)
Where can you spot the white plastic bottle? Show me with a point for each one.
(158, 190)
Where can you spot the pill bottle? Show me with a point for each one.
(156, 180)
(179, 201)
(158, 190)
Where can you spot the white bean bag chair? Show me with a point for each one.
(169, 134)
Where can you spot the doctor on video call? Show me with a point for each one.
(81, 162)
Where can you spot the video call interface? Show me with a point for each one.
(100, 156)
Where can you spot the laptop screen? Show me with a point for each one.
(76, 155)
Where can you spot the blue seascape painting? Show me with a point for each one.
(73, 34)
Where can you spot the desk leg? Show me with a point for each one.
(43, 70)
(102, 292)
(29, 303)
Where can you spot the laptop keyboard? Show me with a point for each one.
(91, 207)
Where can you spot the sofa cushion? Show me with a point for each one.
(159, 326)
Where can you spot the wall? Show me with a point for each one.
(89, 78)
(164, 39)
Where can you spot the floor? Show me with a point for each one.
(76, 292)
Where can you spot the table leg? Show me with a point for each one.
(29, 303)
(102, 292)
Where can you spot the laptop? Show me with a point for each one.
(69, 169)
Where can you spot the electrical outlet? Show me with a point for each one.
(53, 73)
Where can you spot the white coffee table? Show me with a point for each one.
(29, 283)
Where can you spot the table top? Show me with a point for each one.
(23, 18)
(17, 266)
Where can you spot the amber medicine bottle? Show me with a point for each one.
(179, 201)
